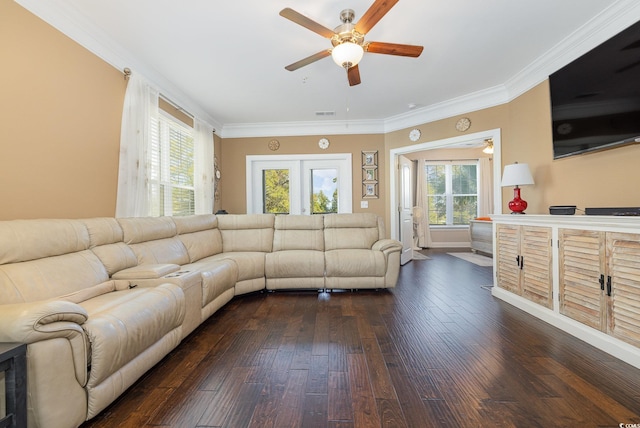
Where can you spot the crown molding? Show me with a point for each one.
(471, 102)
(478, 100)
(324, 127)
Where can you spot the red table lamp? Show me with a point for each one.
(517, 174)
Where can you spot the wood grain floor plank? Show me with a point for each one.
(339, 398)
(315, 409)
(377, 371)
(318, 381)
(290, 411)
(365, 412)
(224, 399)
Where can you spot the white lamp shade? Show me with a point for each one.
(517, 174)
(347, 54)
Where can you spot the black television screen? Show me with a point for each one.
(595, 100)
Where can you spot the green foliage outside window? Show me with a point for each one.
(276, 191)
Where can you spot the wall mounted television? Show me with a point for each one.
(595, 100)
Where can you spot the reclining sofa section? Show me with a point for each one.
(100, 301)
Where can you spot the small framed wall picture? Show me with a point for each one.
(369, 174)
(369, 190)
(370, 158)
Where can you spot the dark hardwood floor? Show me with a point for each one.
(436, 351)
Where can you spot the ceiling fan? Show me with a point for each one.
(348, 39)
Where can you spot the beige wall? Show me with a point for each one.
(60, 113)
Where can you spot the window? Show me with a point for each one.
(172, 167)
(299, 184)
(275, 191)
(324, 191)
(452, 192)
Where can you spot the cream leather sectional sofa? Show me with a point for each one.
(100, 301)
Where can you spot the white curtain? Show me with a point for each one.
(485, 202)
(139, 116)
(422, 205)
(203, 166)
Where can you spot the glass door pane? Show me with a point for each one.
(275, 192)
(324, 191)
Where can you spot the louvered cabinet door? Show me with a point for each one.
(508, 257)
(535, 250)
(582, 262)
(623, 263)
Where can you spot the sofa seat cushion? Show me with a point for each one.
(294, 264)
(355, 263)
(217, 276)
(123, 324)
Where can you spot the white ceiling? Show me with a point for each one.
(224, 61)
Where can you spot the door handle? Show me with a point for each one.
(601, 281)
(608, 285)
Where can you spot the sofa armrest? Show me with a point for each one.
(387, 246)
(146, 271)
(31, 322)
(44, 320)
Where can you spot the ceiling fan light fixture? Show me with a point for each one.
(347, 54)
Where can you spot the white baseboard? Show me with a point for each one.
(450, 245)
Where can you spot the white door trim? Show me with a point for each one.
(439, 144)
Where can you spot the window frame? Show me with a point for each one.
(299, 188)
(161, 201)
(449, 195)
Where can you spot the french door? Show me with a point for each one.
(299, 184)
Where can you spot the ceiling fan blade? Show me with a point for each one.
(353, 74)
(394, 49)
(308, 60)
(308, 23)
(378, 9)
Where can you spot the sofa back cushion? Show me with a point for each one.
(24, 240)
(246, 232)
(106, 241)
(200, 235)
(357, 230)
(298, 232)
(42, 259)
(153, 240)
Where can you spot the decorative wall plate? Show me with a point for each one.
(274, 145)
(463, 124)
